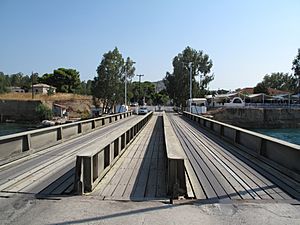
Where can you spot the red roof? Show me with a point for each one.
(247, 90)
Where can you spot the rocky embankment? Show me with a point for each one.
(258, 117)
(24, 109)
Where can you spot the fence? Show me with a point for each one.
(26, 142)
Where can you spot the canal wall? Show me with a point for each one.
(19, 110)
(252, 118)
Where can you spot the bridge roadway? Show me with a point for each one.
(50, 171)
(218, 170)
(215, 169)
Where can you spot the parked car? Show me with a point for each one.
(134, 104)
(142, 110)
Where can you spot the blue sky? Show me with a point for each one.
(245, 39)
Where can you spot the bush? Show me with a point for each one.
(44, 112)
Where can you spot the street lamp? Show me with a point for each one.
(190, 67)
(140, 75)
(190, 64)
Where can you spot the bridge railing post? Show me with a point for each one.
(26, 145)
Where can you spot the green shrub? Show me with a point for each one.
(44, 112)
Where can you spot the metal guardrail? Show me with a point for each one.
(282, 155)
(97, 160)
(176, 182)
(15, 144)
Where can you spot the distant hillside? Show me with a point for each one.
(159, 85)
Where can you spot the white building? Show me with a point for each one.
(42, 88)
(16, 89)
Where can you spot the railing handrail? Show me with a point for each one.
(282, 155)
(173, 146)
(93, 163)
(176, 182)
(40, 130)
(99, 146)
(282, 142)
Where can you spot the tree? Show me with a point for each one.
(260, 88)
(177, 83)
(147, 91)
(128, 73)
(280, 81)
(128, 69)
(16, 80)
(296, 69)
(65, 80)
(28, 81)
(34, 78)
(160, 98)
(85, 88)
(109, 84)
(4, 83)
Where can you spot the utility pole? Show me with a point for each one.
(140, 76)
(32, 93)
(125, 98)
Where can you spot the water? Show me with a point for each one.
(12, 128)
(289, 135)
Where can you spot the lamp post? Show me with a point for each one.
(140, 75)
(191, 80)
(190, 67)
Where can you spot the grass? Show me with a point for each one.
(44, 97)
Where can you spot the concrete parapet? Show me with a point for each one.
(282, 155)
(175, 155)
(100, 156)
(16, 145)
